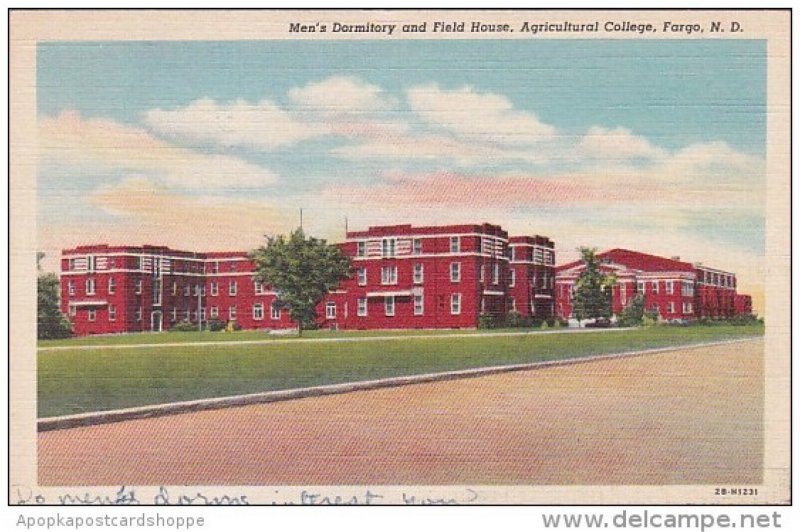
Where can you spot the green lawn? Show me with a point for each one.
(74, 381)
(208, 336)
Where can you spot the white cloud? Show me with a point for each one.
(618, 144)
(103, 145)
(481, 116)
(264, 125)
(341, 94)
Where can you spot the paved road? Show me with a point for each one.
(681, 417)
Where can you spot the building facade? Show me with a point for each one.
(677, 290)
(403, 277)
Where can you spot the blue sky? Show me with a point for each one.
(649, 144)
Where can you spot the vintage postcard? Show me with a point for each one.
(400, 257)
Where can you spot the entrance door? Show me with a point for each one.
(155, 321)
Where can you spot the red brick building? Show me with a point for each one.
(677, 290)
(403, 277)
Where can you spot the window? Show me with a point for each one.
(112, 313)
(512, 304)
(275, 311)
(417, 246)
(215, 266)
(389, 275)
(174, 314)
(496, 273)
(455, 304)
(419, 272)
(687, 288)
(186, 314)
(258, 287)
(480, 272)
(455, 272)
(687, 308)
(258, 311)
(186, 289)
(654, 286)
(483, 305)
(623, 294)
(214, 288)
(71, 264)
(71, 288)
(89, 287)
(139, 313)
(362, 306)
(73, 310)
(138, 286)
(512, 277)
(197, 289)
(361, 249)
(455, 244)
(232, 266)
(362, 277)
(91, 263)
(330, 310)
(670, 287)
(388, 247)
(174, 288)
(419, 305)
(112, 285)
(156, 291)
(671, 307)
(92, 314)
(214, 312)
(388, 305)
(232, 288)
(231, 313)
(512, 253)
(137, 263)
(640, 287)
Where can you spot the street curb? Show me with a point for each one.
(183, 407)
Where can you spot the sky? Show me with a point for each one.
(651, 145)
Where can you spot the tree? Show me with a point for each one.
(592, 289)
(51, 323)
(633, 313)
(302, 270)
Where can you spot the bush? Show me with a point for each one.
(515, 319)
(215, 325)
(633, 313)
(486, 321)
(650, 318)
(184, 326)
(545, 325)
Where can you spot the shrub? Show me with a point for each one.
(215, 325)
(184, 326)
(633, 313)
(545, 325)
(486, 321)
(515, 319)
(650, 318)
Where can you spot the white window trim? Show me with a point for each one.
(453, 298)
(512, 277)
(455, 274)
(112, 285)
(419, 277)
(362, 277)
(92, 283)
(391, 278)
(386, 301)
(71, 287)
(214, 312)
(233, 288)
(362, 311)
(455, 244)
(138, 284)
(138, 314)
(419, 311)
(91, 315)
(214, 288)
(260, 308)
(232, 313)
(328, 314)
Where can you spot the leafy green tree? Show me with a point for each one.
(592, 289)
(302, 270)
(633, 313)
(51, 322)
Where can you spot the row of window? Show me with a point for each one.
(258, 313)
(91, 288)
(389, 247)
(389, 274)
(158, 263)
